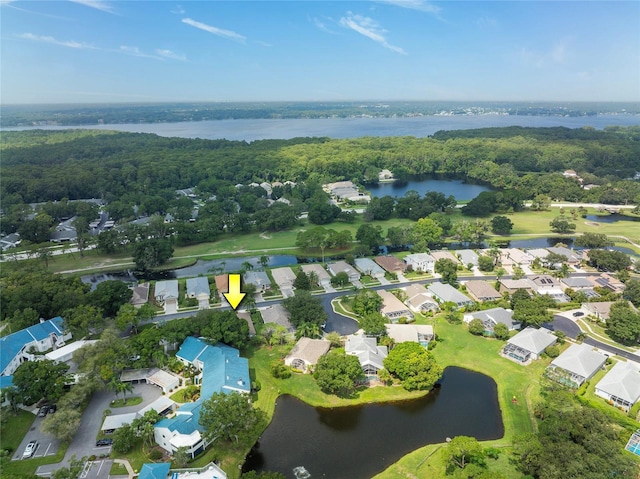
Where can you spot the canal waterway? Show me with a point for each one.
(360, 441)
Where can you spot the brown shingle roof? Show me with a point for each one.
(391, 264)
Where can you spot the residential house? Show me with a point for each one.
(259, 279)
(468, 257)
(422, 262)
(419, 299)
(164, 471)
(544, 281)
(576, 283)
(369, 267)
(221, 370)
(198, 288)
(10, 241)
(599, 309)
(621, 385)
(155, 471)
(64, 353)
(277, 314)
(21, 346)
(607, 281)
(445, 293)
(573, 257)
(556, 294)
(482, 291)
(576, 365)
(166, 295)
(306, 352)
(528, 345)
(515, 257)
(491, 317)
(222, 285)
(385, 175)
(343, 266)
(417, 333)
(140, 295)
(513, 285)
(445, 255)
(392, 307)
(538, 253)
(370, 355)
(284, 278)
(346, 190)
(570, 174)
(323, 277)
(391, 264)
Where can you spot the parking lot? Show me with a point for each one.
(47, 445)
(99, 469)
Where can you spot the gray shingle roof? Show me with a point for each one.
(623, 381)
(533, 340)
(580, 359)
(446, 293)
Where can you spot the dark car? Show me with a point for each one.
(577, 314)
(104, 442)
(44, 410)
(52, 409)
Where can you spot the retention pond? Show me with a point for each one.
(360, 441)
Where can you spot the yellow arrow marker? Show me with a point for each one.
(234, 296)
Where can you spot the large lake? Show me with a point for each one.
(359, 442)
(461, 190)
(251, 130)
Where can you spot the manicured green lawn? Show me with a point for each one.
(130, 401)
(14, 427)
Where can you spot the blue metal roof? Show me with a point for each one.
(223, 370)
(191, 348)
(6, 381)
(155, 471)
(11, 345)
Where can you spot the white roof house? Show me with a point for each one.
(306, 353)
(444, 254)
(65, 353)
(576, 365)
(621, 385)
(370, 355)
(116, 421)
(528, 344)
(323, 277)
(419, 299)
(392, 307)
(284, 278)
(420, 262)
(369, 267)
(446, 293)
(468, 256)
(491, 317)
(515, 256)
(417, 333)
(343, 266)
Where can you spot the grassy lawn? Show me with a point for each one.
(131, 401)
(457, 347)
(14, 428)
(118, 470)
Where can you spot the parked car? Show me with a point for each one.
(104, 442)
(30, 449)
(577, 314)
(52, 409)
(44, 410)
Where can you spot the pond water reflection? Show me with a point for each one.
(360, 441)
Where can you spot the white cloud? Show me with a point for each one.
(54, 41)
(486, 21)
(171, 55)
(97, 4)
(136, 52)
(419, 5)
(321, 25)
(178, 10)
(369, 28)
(215, 30)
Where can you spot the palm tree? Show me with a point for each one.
(308, 330)
(247, 266)
(313, 279)
(126, 388)
(264, 261)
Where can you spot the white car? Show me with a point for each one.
(30, 449)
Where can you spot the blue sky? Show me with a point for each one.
(137, 51)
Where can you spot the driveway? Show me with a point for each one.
(47, 445)
(84, 442)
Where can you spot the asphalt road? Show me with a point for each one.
(571, 329)
(47, 445)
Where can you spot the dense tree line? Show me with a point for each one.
(130, 167)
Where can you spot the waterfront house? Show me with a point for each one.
(577, 364)
(528, 345)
